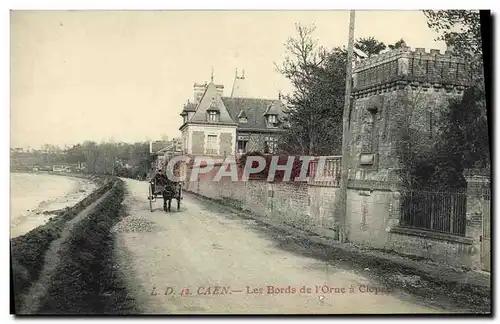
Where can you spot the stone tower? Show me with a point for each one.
(398, 89)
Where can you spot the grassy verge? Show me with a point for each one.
(86, 281)
(28, 251)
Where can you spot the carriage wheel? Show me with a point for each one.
(150, 198)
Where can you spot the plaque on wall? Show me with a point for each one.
(366, 158)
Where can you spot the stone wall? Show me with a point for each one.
(305, 206)
(293, 203)
(368, 215)
(372, 215)
(446, 249)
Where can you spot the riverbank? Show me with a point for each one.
(28, 251)
(85, 279)
(35, 198)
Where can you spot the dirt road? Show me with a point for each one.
(228, 264)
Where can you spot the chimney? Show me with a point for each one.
(198, 90)
(239, 89)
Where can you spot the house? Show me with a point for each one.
(174, 145)
(216, 125)
(164, 152)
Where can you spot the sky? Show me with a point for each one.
(125, 75)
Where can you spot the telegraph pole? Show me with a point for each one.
(345, 134)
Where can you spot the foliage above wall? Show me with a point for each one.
(279, 174)
(462, 142)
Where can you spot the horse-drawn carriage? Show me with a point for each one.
(161, 186)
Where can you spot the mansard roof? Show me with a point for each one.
(242, 114)
(211, 100)
(275, 108)
(254, 109)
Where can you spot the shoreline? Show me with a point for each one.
(45, 209)
(31, 253)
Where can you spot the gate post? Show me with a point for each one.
(478, 220)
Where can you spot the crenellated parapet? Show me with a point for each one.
(398, 68)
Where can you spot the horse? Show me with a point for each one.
(168, 192)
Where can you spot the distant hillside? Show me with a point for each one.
(24, 161)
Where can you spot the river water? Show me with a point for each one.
(32, 194)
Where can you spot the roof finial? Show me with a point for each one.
(212, 76)
(236, 73)
(243, 74)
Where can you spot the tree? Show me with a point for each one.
(460, 29)
(314, 109)
(460, 142)
(399, 44)
(75, 154)
(465, 131)
(370, 46)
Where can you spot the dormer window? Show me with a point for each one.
(272, 121)
(272, 113)
(213, 112)
(213, 116)
(242, 117)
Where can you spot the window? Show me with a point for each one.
(272, 120)
(270, 145)
(213, 116)
(242, 146)
(212, 144)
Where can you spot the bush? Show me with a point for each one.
(279, 175)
